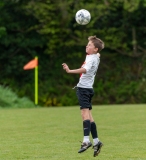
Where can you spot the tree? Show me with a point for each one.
(48, 29)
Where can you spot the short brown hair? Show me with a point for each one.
(98, 43)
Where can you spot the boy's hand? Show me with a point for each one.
(65, 67)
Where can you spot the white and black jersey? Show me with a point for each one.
(91, 65)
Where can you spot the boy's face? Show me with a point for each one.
(90, 48)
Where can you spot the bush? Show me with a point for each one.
(10, 99)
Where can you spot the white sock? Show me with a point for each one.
(86, 139)
(95, 141)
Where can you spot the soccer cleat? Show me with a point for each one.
(97, 148)
(84, 146)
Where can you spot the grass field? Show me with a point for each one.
(54, 133)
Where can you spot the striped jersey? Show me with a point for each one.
(91, 65)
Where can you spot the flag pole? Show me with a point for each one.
(36, 83)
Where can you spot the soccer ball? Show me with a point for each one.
(83, 17)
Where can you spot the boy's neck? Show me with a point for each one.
(91, 53)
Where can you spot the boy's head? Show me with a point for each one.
(98, 43)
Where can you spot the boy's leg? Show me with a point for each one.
(94, 133)
(86, 124)
(86, 130)
(96, 143)
(93, 130)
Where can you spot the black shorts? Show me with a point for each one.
(84, 97)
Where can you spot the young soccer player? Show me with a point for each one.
(85, 92)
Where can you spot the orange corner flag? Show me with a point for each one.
(31, 64)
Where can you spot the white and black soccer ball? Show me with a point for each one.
(83, 17)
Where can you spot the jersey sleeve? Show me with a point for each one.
(88, 65)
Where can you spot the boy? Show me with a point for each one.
(85, 92)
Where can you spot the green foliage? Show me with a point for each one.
(10, 99)
(48, 29)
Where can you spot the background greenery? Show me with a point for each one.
(47, 29)
(9, 99)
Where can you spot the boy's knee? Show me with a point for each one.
(85, 114)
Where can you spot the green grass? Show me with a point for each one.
(54, 133)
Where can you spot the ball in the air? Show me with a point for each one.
(83, 17)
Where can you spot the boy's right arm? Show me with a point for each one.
(74, 71)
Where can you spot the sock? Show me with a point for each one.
(95, 141)
(86, 139)
(86, 130)
(94, 133)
